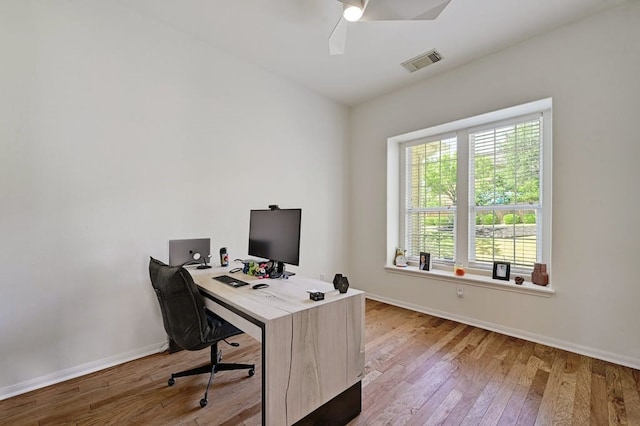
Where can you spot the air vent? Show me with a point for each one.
(421, 61)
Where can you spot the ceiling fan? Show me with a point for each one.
(381, 10)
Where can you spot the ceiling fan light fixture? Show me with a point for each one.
(352, 13)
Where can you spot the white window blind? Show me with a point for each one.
(431, 193)
(505, 192)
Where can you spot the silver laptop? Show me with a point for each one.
(181, 251)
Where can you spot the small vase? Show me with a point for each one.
(539, 275)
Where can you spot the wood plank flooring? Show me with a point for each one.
(420, 370)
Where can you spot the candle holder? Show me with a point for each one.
(343, 285)
(336, 280)
(340, 283)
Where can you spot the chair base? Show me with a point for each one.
(218, 367)
(212, 368)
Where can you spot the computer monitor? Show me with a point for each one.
(182, 252)
(274, 234)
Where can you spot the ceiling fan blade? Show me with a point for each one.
(338, 38)
(405, 10)
(433, 13)
(356, 3)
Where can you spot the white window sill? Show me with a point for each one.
(476, 280)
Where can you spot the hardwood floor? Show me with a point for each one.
(420, 370)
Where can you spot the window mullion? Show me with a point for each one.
(405, 161)
(461, 229)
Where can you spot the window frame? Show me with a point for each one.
(397, 189)
(472, 209)
(404, 189)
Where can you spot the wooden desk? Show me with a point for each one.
(312, 352)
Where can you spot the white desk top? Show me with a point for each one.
(281, 298)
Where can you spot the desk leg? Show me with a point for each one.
(276, 345)
(327, 358)
(339, 411)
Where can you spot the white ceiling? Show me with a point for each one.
(290, 37)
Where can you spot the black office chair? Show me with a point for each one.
(188, 323)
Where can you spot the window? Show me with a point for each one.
(505, 206)
(477, 190)
(431, 198)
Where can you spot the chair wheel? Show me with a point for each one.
(252, 372)
(203, 402)
(171, 381)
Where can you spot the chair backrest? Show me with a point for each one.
(182, 306)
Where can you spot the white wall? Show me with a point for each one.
(117, 134)
(591, 70)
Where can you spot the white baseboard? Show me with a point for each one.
(81, 370)
(521, 334)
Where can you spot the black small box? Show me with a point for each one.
(316, 296)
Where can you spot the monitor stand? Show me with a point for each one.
(278, 270)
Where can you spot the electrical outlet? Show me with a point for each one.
(460, 291)
(322, 276)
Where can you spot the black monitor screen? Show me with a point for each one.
(275, 235)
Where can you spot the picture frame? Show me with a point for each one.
(424, 263)
(502, 271)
